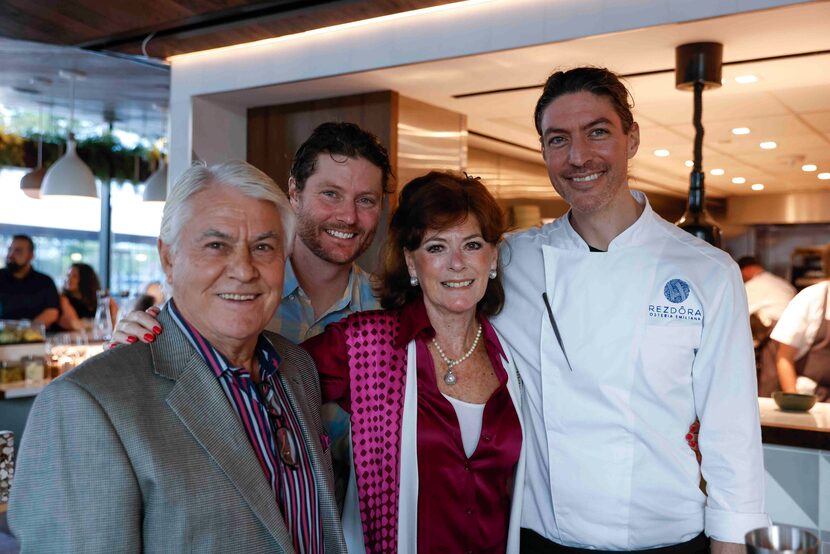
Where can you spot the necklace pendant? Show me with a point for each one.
(450, 378)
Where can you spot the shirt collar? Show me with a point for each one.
(415, 321)
(634, 234)
(290, 283)
(351, 296)
(218, 363)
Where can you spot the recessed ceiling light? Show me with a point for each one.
(76, 257)
(768, 145)
(758, 186)
(738, 180)
(689, 163)
(746, 79)
(740, 131)
(662, 153)
(824, 176)
(809, 167)
(717, 171)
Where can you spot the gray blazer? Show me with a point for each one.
(139, 450)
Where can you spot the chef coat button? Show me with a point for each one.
(469, 552)
(469, 512)
(485, 437)
(467, 466)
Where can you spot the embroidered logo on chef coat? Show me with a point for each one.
(676, 291)
(680, 307)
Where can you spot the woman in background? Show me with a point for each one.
(79, 298)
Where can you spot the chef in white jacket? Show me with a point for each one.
(625, 329)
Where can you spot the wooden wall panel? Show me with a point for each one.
(275, 132)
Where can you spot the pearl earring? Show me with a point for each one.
(493, 274)
(413, 281)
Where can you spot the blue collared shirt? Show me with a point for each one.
(295, 319)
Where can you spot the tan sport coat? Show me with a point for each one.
(139, 450)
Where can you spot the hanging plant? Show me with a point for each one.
(11, 149)
(105, 155)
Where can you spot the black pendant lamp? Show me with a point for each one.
(698, 67)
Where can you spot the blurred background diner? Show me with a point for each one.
(82, 298)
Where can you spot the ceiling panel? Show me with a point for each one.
(162, 28)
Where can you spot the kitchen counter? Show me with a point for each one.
(21, 389)
(802, 429)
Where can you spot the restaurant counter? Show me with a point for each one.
(797, 463)
(16, 398)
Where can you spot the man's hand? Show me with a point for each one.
(137, 326)
(719, 547)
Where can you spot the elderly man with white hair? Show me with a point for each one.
(208, 439)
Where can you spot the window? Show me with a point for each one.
(65, 231)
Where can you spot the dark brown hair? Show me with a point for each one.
(339, 140)
(596, 80)
(88, 286)
(437, 200)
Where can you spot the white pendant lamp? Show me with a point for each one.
(155, 189)
(69, 176)
(31, 182)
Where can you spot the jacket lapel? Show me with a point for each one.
(200, 403)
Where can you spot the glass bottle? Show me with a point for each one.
(102, 324)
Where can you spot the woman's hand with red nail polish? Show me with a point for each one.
(691, 438)
(138, 326)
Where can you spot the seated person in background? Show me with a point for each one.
(208, 439)
(803, 337)
(79, 299)
(767, 296)
(24, 292)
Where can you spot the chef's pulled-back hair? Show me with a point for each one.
(596, 80)
(437, 201)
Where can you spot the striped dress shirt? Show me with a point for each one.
(294, 488)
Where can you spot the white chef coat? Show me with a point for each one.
(799, 323)
(655, 332)
(768, 296)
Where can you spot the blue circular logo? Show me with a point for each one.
(676, 291)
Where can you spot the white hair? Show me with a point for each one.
(236, 174)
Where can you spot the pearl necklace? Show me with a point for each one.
(450, 377)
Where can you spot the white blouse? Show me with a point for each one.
(470, 417)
